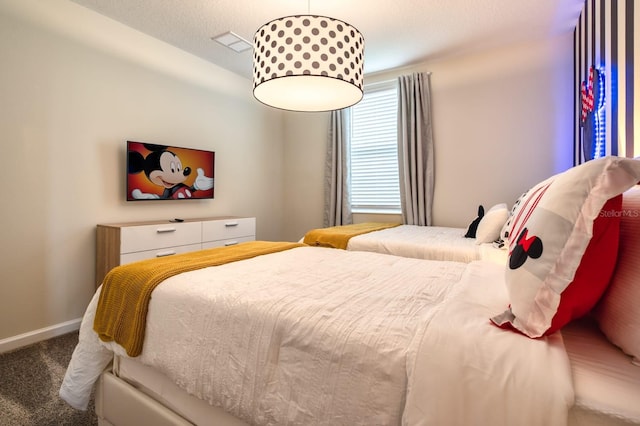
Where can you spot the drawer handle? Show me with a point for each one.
(230, 224)
(165, 253)
(230, 243)
(164, 230)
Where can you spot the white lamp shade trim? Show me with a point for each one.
(308, 63)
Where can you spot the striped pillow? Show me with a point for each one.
(502, 242)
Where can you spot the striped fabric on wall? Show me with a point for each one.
(606, 38)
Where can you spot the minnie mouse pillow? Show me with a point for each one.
(563, 243)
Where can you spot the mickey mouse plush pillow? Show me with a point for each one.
(563, 242)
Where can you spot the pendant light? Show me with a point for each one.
(308, 63)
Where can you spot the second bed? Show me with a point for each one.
(420, 242)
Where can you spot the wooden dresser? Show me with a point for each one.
(121, 243)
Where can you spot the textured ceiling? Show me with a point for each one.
(397, 33)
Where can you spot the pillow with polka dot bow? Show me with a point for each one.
(563, 243)
(502, 242)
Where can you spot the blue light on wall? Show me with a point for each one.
(593, 117)
(600, 119)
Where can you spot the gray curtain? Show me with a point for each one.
(337, 206)
(415, 148)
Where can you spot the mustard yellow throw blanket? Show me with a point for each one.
(338, 236)
(124, 300)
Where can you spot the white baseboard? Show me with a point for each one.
(25, 339)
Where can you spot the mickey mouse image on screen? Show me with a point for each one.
(164, 168)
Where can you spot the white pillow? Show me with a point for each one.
(618, 312)
(491, 224)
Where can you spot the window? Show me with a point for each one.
(375, 185)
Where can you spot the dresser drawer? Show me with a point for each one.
(228, 242)
(149, 254)
(148, 237)
(228, 229)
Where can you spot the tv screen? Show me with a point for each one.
(163, 172)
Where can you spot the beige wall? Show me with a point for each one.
(502, 122)
(68, 102)
(75, 86)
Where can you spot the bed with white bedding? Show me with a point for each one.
(420, 242)
(427, 242)
(322, 336)
(326, 352)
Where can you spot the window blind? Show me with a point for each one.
(374, 151)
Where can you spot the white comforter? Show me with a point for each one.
(427, 242)
(323, 336)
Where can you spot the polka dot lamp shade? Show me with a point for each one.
(308, 63)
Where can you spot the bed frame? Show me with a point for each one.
(120, 403)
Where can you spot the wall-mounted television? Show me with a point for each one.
(167, 172)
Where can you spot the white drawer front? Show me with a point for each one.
(230, 242)
(149, 254)
(151, 237)
(225, 229)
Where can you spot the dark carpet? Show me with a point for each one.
(30, 378)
